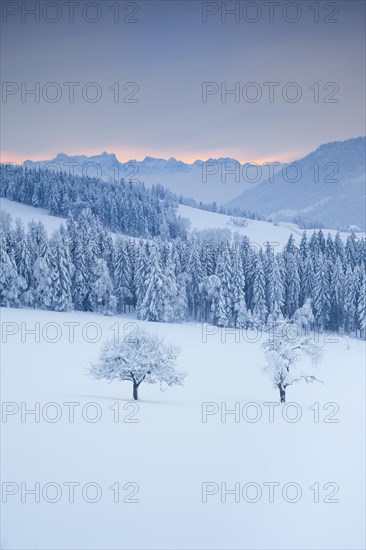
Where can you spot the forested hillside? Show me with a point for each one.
(320, 283)
(123, 207)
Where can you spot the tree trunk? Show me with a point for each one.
(135, 390)
(282, 393)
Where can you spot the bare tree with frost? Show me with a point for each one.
(141, 357)
(284, 350)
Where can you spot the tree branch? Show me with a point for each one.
(308, 380)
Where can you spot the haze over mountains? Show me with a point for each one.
(326, 187)
(212, 180)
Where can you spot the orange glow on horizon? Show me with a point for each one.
(124, 154)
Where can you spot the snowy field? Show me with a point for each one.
(258, 232)
(29, 213)
(168, 454)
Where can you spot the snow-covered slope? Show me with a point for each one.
(169, 452)
(29, 213)
(326, 186)
(257, 231)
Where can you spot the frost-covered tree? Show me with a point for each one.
(314, 244)
(250, 259)
(209, 289)
(219, 309)
(104, 300)
(62, 295)
(238, 286)
(38, 241)
(208, 257)
(122, 277)
(350, 301)
(140, 274)
(292, 284)
(224, 271)
(336, 295)
(79, 279)
(181, 302)
(42, 284)
(24, 265)
(259, 306)
(361, 305)
(165, 295)
(351, 249)
(321, 299)
(151, 307)
(274, 290)
(93, 272)
(284, 350)
(196, 274)
(72, 232)
(304, 317)
(142, 357)
(41, 290)
(304, 246)
(11, 283)
(174, 297)
(321, 241)
(244, 317)
(330, 251)
(307, 279)
(339, 248)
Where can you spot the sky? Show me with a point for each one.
(151, 78)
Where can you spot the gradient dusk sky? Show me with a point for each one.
(169, 52)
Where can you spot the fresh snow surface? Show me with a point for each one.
(29, 213)
(170, 452)
(258, 232)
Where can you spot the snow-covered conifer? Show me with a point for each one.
(259, 306)
(11, 283)
(321, 299)
(62, 296)
(104, 300)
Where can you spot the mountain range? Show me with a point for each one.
(212, 180)
(326, 187)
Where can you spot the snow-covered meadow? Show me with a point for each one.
(258, 232)
(170, 452)
(183, 317)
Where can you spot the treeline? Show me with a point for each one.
(128, 208)
(213, 207)
(320, 283)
